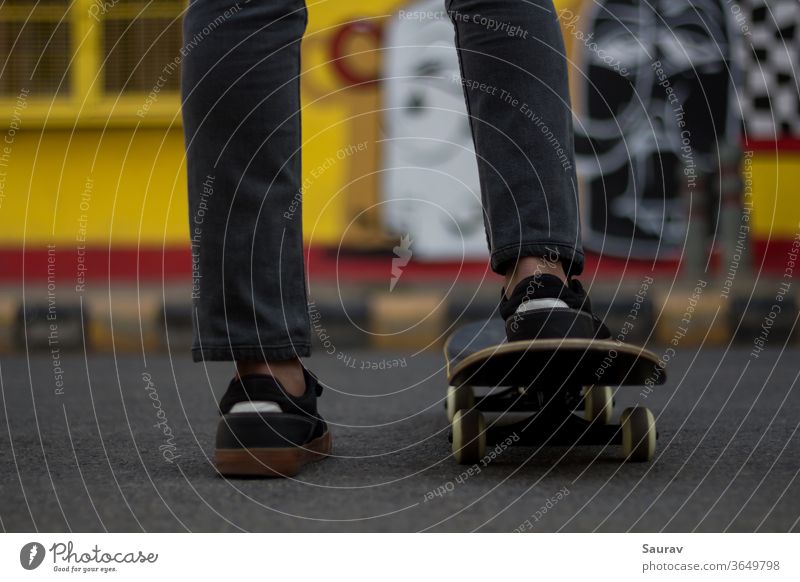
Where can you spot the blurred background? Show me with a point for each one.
(687, 125)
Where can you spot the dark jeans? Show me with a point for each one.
(241, 113)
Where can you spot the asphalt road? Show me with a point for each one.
(94, 458)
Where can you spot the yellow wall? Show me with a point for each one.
(129, 185)
(133, 170)
(138, 189)
(776, 206)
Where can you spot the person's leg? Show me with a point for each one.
(512, 54)
(514, 71)
(241, 112)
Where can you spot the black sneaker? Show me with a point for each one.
(543, 307)
(266, 432)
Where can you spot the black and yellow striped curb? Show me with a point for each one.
(135, 322)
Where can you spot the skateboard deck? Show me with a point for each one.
(549, 380)
(478, 354)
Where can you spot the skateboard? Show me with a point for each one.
(562, 387)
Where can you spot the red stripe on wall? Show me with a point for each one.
(173, 264)
(118, 264)
(787, 144)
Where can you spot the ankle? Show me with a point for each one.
(529, 267)
(288, 372)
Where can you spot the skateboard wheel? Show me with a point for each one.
(638, 434)
(459, 398)
(469, 436)
(598, 404)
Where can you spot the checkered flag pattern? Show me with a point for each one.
(771, 35)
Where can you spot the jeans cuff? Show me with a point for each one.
(570, 257)
(251, 353)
